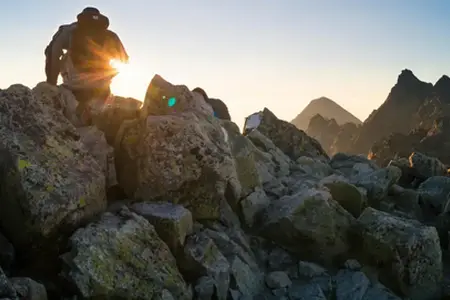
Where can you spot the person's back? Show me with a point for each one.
(85, 67)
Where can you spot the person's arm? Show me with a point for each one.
(54, 51)
(117, 48)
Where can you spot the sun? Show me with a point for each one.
(124, 82)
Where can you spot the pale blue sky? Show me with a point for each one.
(250, 53)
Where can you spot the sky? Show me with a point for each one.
(251, 54)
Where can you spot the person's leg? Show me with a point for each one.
(83, 97)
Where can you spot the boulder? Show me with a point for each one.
(94, 140)
(164, 98)
(122, 256)
(182, 158)
(425, 166)
(7, 290)
(50, 183)
(172, 222)
(246, 157)
(203, 258)
(219, 107)
(313, 167)
(309, 223)
(204, 288)
(27, 288)
(254, 204)
(435, 193)
(278, 279)
(407, 253)
(292, 141)
(60, 98)
(378, 183)
(353, 199)
(243, 279)
(352, 165)
(351, 285)
(114, 113)
(406, 201)
(233, 243)
(278, 163)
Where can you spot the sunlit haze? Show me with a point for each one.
(251, 54)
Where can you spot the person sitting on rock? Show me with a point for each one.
(86, 65)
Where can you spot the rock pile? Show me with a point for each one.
(204, 212)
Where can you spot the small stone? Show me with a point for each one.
(351, 285)
(352, 264)
(309, 270)
(279, 292)
(306, 292)
(204, 289)
(277, 279)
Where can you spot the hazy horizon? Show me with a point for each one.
(251, 54)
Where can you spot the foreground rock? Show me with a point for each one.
(50, 183)
(407, 253)
(212, 213)
(310, 224)
(122, 256)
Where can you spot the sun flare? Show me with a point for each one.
(123, 83)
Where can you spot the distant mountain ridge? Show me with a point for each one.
(411, 103)
(328, 109)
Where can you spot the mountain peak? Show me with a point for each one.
(326, 108)
(442, 88)
(406, 76)
(444, 81)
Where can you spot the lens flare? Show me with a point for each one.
(172, 101)
(117, 65)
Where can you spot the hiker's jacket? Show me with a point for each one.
(85, 64)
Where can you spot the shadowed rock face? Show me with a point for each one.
(434, 142)
(328, 109)
(219, 107)
(292, 141)
(208, 212)
(396, 113)
(50, 183)
(333, 137)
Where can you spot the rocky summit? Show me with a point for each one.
(167, 199)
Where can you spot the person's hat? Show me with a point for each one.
(89, 12)
(93, 14)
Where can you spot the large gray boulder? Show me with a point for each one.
(311, 224)
(435, 193)
(407, 253)
(122, 256)
(50, 182)
(182, 156)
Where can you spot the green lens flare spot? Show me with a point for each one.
(171, 102)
